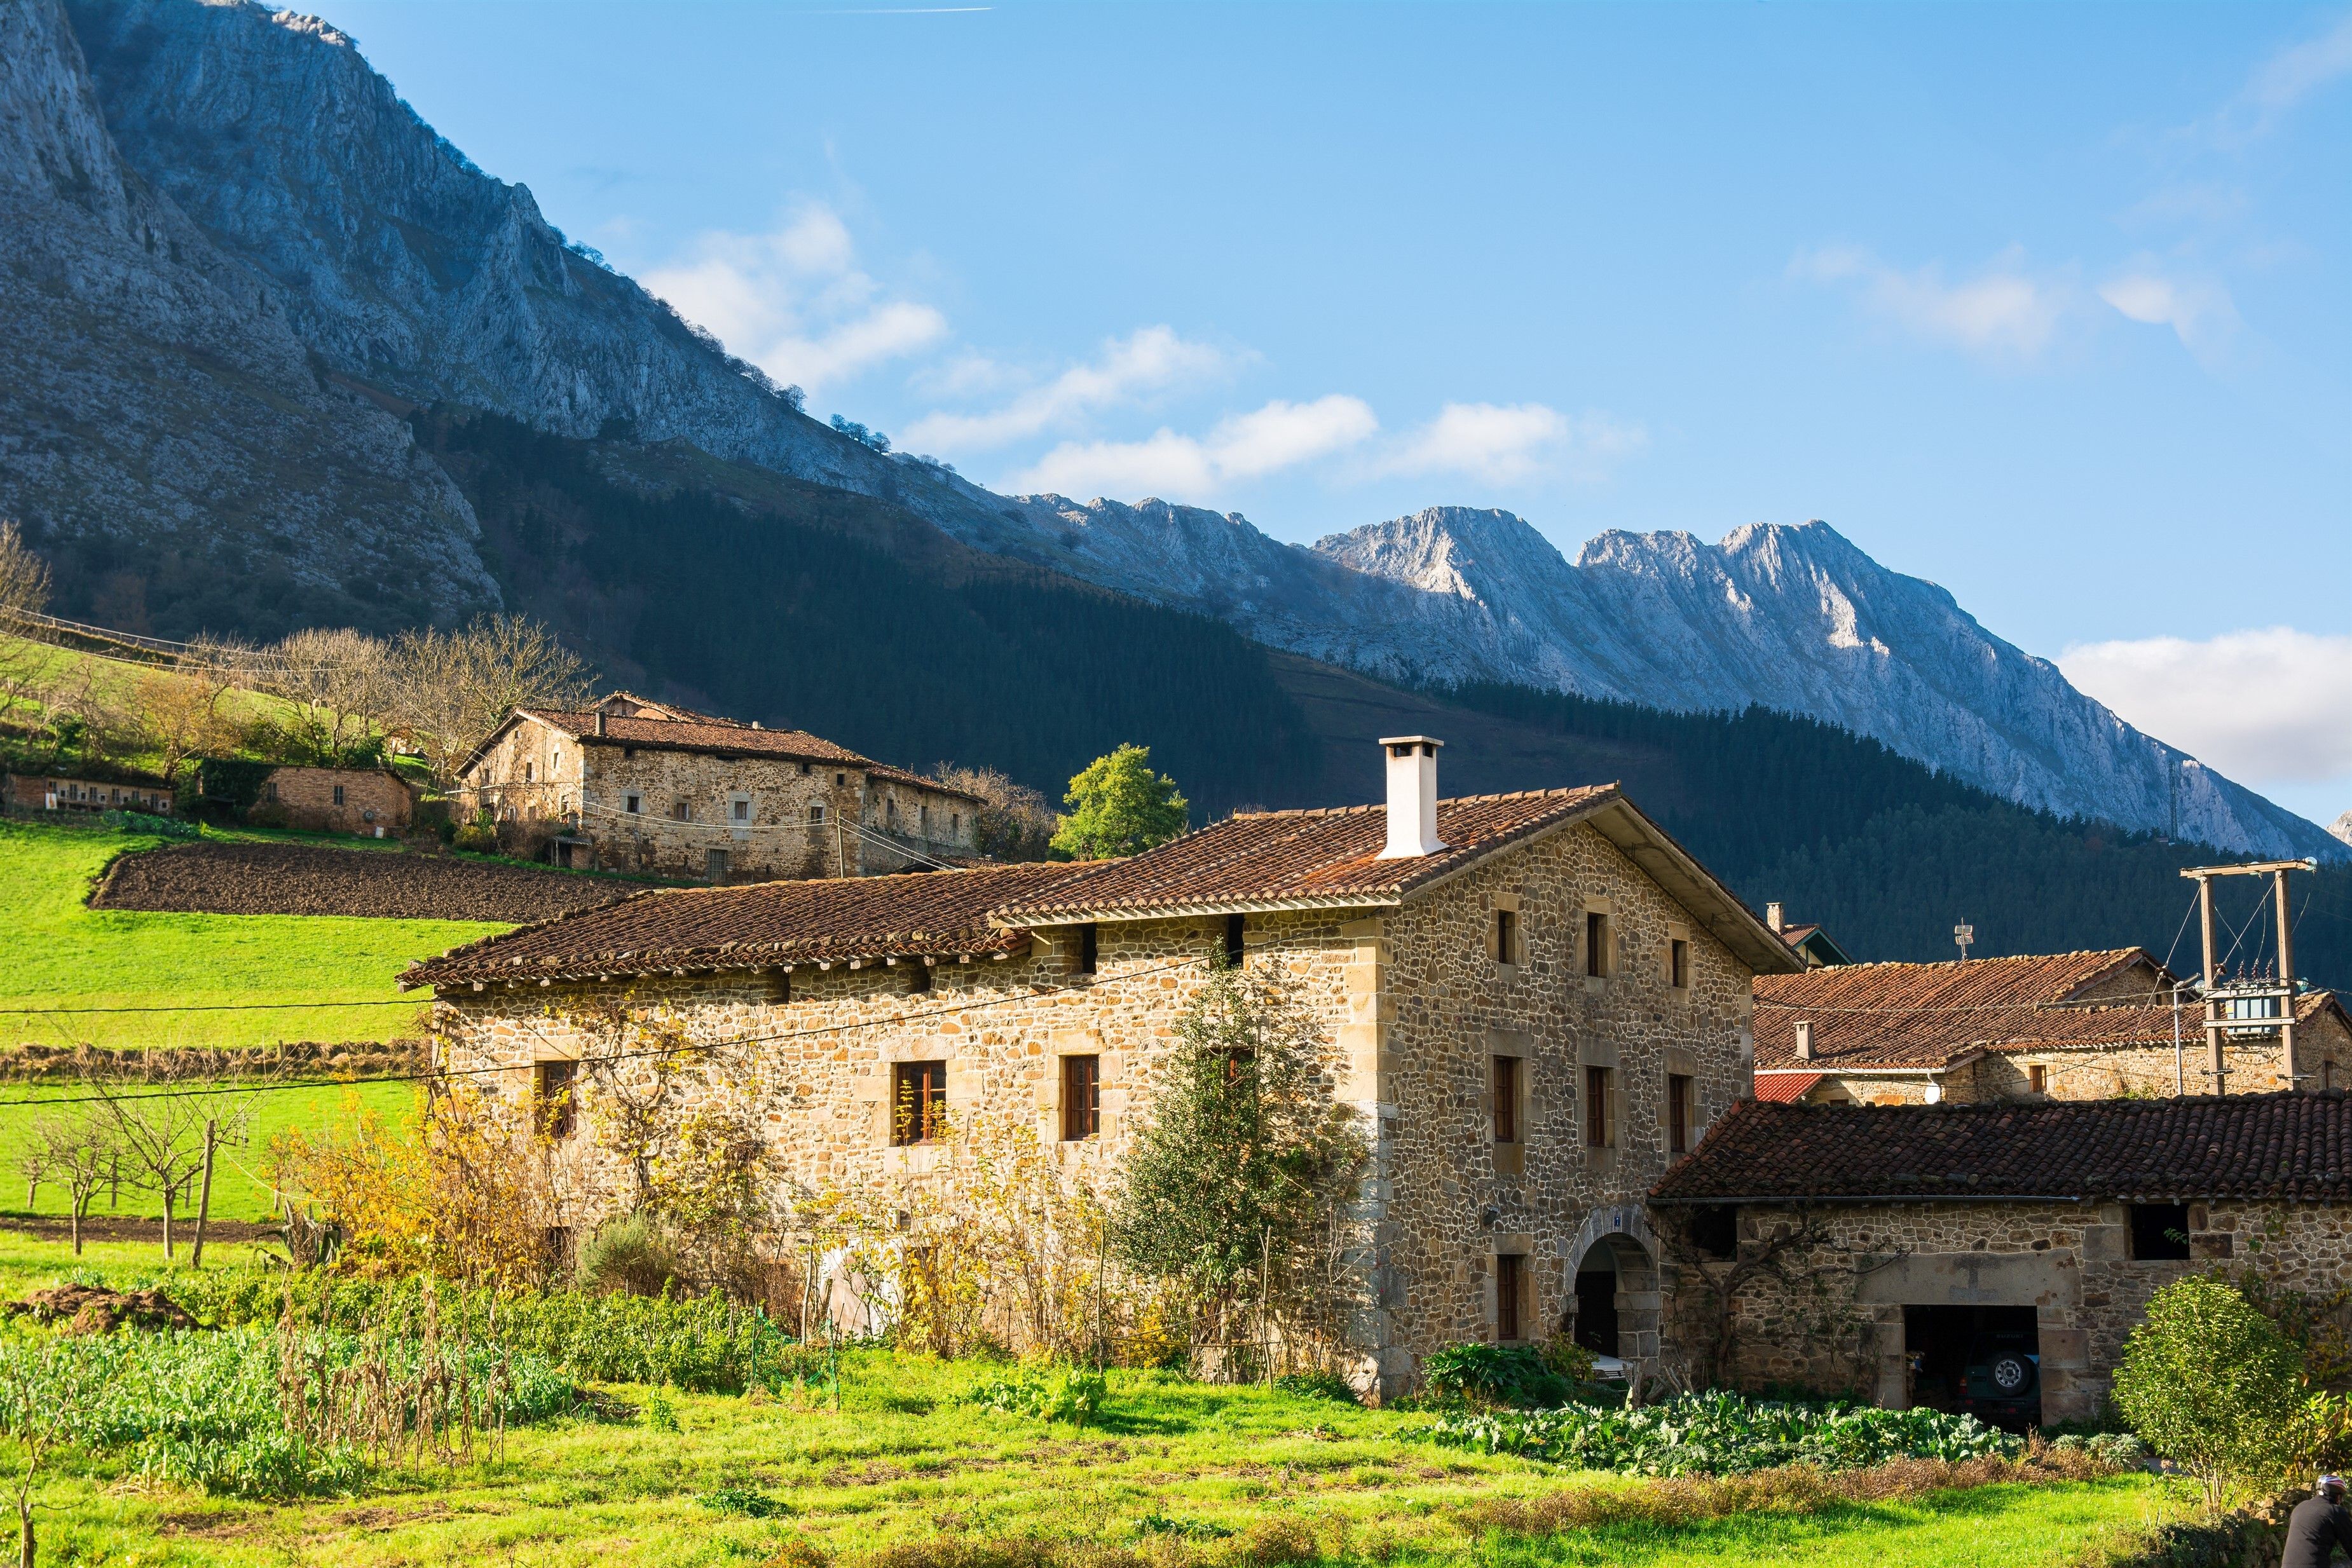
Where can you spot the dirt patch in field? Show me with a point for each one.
(121, 1227)
(316, 879)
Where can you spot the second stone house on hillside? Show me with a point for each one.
(634, 784)
(2059, 1026)
(1533, 1005)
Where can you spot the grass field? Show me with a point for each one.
(209, 979)
(904, 1476)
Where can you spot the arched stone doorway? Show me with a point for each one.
(1613, 1294)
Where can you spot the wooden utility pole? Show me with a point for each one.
(2216, 1025)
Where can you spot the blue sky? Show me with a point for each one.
(2048, 304)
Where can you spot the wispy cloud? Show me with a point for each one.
(794, 302)
(1188, 469)
(1150, 360)
(2198, 309)
(2002, 311)
(2265, 706)
(2278, 85)
(1501, 442)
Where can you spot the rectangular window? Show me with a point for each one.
(1089, 949)
(2037, 1080)
(1505, 1076)
(1236, 929)
(1678, 964)
(338, 794)
(1510, 1296)
(804, 769)
(817, 813)
(923, 819)
(714, 864)
(681, 810)
(1506, 935)
(1596, 943)
(552, 1097)
(2159, 1232)
(1680, 1105)
(739, 808)
(919, 1102)
(633, 805)
(955, 825)
(272, 789)
(1081, 1097)
(919, 976)
(1596, 1107)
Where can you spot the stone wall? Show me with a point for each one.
(1413, 1006)
(340, 799)
(2322, 1050)
(1835, 1324)
(61, 792)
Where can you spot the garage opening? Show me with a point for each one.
(1596, 1304)
(1985, 1362)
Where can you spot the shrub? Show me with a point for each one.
(1496, 1374)
(1316, 1386)
(475, 839)
(1062, 1394)
(2211, 1384)
(749, 1502)
(1721, 1434)
(628, 1255)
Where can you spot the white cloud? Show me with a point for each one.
(2001, 312)
(793, 301)
(2267, 707)
(1505, 442)
(2279, 84)
(2199, 310)
(1150, 360)
(1187, 468)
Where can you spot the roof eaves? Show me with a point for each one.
(1747, 935)
(1024, 916)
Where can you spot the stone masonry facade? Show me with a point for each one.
(1414, 1006)
(715, 816)
(1839, 1325)
(340, 799)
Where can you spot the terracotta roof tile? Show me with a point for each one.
(1322, 857)
(936, 914)
(708, 734)
(2297, 1147)
(1786, 1088)
(1933, 1015)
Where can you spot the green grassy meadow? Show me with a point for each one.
(192, 969)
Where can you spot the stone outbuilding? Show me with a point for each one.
(1874, 1252)
(637, 785)
(2061, 1026)
(66, 792)
(369, 801)
(1533, 1005)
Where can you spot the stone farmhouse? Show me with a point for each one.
(635, 785)
(1908, 1245)
(365, 801)
(1535, 1004)
(2062, 1026)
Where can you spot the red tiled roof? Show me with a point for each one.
(1935, 1014)
(940, 915)
(1311, 858)
(1785, 1088)
(706, 734)
(2293, 1147)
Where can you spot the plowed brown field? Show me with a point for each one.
(307, 879)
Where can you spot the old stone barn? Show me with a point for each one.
(1987, 1257)
(1534, 1004)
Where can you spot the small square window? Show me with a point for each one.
(635, 805)
(1081, 1097)
(919, 976)
(739, 808)
(1678, 964)
(805, 769)
(1597, 1108)
(816, 812)
(840, 779)
(2159, 1232)
(681, 810)
(919, 1102)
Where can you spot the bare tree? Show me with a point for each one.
(183, 713)
(456, 688)
(24, 576)
(341, 684)
(80, 1149)
(46, 1391)
(167, 1127)
(1014, 823)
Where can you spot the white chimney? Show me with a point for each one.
(1772, 916)
(1804, 1041)
(1413, 796)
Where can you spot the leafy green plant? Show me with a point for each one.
(1060, 1393)
(749, 1502)
(660, 1413)
(2212, 1383)
(1316, 1386)
(1515, 1374)
(1721, 1434)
